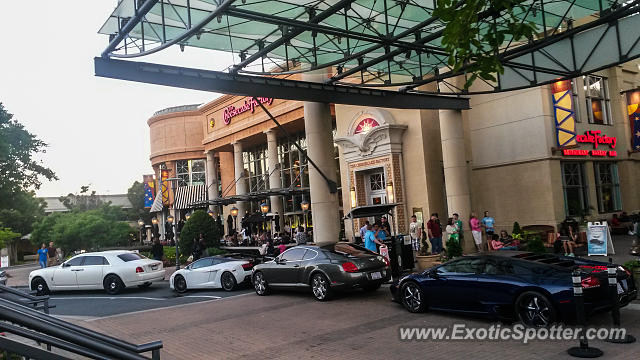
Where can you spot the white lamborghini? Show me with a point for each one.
(212, 272)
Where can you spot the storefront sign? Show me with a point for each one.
(594, 137)
(250, 104)
(633, 109)
(564, 113)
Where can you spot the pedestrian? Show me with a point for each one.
(381, 234)
(452, 230)
(434, 231)
(301, 236)
(230, 225)
(157, 250)
(384, 226)
(42, 256)
(203, 245)
(476, 231)
(415, 233)
(51, 253)
(364, 229)
(370, 239)
(458, 224)
(196, 251)
(282, 247)
(488, 224)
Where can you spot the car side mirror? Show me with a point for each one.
(280, 261)
(433, 274)
(64, 265)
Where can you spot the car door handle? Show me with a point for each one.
(296, 265)
(77, 270)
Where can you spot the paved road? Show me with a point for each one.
(99, 304)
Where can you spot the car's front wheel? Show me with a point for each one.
(260, 284)
(40, 286)
(228, 281)
(412, 297)
(320, 287)
(535, 309)
(113, 285)
(180, 284)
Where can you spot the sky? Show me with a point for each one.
(96, 128)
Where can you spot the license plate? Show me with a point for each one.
(376, 275)
(154, 267)
(620, 289)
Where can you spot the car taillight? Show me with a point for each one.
(247, 266)
(590, 282)
(349, 267)
(139, 269)
(596, 268)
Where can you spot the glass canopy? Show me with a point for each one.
(375, 43)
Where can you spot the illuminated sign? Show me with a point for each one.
(366, 125)
(250, 104)
(594, 137)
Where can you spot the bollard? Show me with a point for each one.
(582, 351)
(612, 275)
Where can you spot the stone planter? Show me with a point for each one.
(426, 261)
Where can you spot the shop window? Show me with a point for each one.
(190, 172)
(576, 199)
(255, 165)
(608, 187)
(596, 94)
(377, 181)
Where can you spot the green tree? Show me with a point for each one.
(472, 37)
(135, 194)
(6, 236)
(84, 230)
(199, 223)
(82, 201)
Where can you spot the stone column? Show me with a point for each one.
(324, 204)
(241, 182)
(212, 179)
(273, 166)
(455, 171)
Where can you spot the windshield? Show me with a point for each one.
(131, 257)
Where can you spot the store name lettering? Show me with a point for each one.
(594, 137)
(249, 105)
(579, 152)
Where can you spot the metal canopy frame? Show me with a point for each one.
(366, 44)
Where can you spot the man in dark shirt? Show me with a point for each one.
(384, 226)
(435, 234)
(51, 252)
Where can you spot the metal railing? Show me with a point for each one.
(27, 322)
(31, 299)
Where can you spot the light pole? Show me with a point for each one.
(234, 213)
(264, 208)
(187, 216)
(174, 185)
(304, 205)
(210, 212)
(140, 226)
(156, 231)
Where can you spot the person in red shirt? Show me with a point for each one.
(435, 234)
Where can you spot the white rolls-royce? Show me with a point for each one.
(109, 270)
(211, 272)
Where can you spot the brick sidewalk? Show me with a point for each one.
(295, 326)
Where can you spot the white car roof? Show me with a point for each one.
(108, 252)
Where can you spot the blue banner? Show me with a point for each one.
(149, 190)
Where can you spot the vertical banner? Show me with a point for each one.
(149, 190)
(164, 186)
(564, 113)
(633, 109)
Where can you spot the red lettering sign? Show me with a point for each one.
(594, 137)
(575, 152)
(249, 104)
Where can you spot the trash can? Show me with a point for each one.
(393, 244)
(407, 253)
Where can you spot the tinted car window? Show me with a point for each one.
(130, 257)
(217, 261)
(462, 266)
(202, 263)
(293, 254)
(94, 260)
(310, 254)
(77, 261)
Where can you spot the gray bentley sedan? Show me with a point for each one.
(323, 270)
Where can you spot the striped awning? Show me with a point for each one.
(157, 203)
(188, 195)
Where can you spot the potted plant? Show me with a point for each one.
(425, 259)
(634, 267)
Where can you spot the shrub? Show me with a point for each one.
(631, 264)
(535, 245)
(170, 256)
(199, 223)
(454, 249)
(516, 228)
(213, 251)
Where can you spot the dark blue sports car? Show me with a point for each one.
(509, 285)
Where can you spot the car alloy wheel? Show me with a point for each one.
(412, 297)
(320, 287)
(534, 309)
(113, 284)
(40, 286)
(180, 284)
(260, 284)
(228, 281)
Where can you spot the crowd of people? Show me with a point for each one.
(49, 256)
